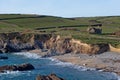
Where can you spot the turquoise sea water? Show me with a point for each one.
(45, 66)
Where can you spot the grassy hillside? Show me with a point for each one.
(19, 21)
(72, 27)
(22, 21)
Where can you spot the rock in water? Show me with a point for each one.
(22, 67)
(48, 77)
(3, 57)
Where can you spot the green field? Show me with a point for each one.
(70, 27)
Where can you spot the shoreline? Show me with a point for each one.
(86, 62)
(107, 64)
(85, 68)
(66, 64)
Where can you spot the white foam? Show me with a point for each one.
(10, 72)
(113, 76)
(29, 55)
(117, 76)
(68, 64)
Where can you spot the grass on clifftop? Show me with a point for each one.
(73, 27)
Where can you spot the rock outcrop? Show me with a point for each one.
(17, 42)
(48, 77)
(22, 67)
(68, 45)
(93, 30)
(51, 44)
(3, 57)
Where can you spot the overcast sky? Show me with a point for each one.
(64, 8)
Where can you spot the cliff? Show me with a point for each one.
(69, 45)
(51, 44)
(17, 42)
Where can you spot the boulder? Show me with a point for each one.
(3, 57)
(1, 51)
(48, 77)
(93, 30)
(22, 67)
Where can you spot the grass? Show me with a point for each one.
(72, 27)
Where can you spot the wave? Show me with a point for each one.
(11, 75)
(114, 75)
(68, 64)
(118, 77)
(29, 55)
(11, 72)
(55, 61)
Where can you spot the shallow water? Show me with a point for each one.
(48, 65)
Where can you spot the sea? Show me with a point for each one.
(45, 66)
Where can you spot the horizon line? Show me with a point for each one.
(58, 16)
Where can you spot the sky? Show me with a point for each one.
(62, 8)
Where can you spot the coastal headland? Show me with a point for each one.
(66, 39)
(100, 56)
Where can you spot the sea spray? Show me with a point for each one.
(116, 76)
(29, 55)
(68, 64)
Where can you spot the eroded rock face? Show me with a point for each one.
(18, 42)
(69, 45)
(22, 67)
(99, 48)
(48, 77)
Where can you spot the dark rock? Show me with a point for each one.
(18, 47)
(22, 67)
(3, 57)
(1, 51)
(101, 48)
(25, 67)
(93, 30)
(48, 77)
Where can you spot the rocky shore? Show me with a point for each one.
(53, 44)
(65, 49)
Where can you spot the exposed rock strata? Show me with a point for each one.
(68, 45)
(48, 77)
(54, 45)
(17, 42)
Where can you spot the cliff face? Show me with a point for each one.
(69, 45)
(17, 42)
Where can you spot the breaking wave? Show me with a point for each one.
(29, 55)
(68, 64)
